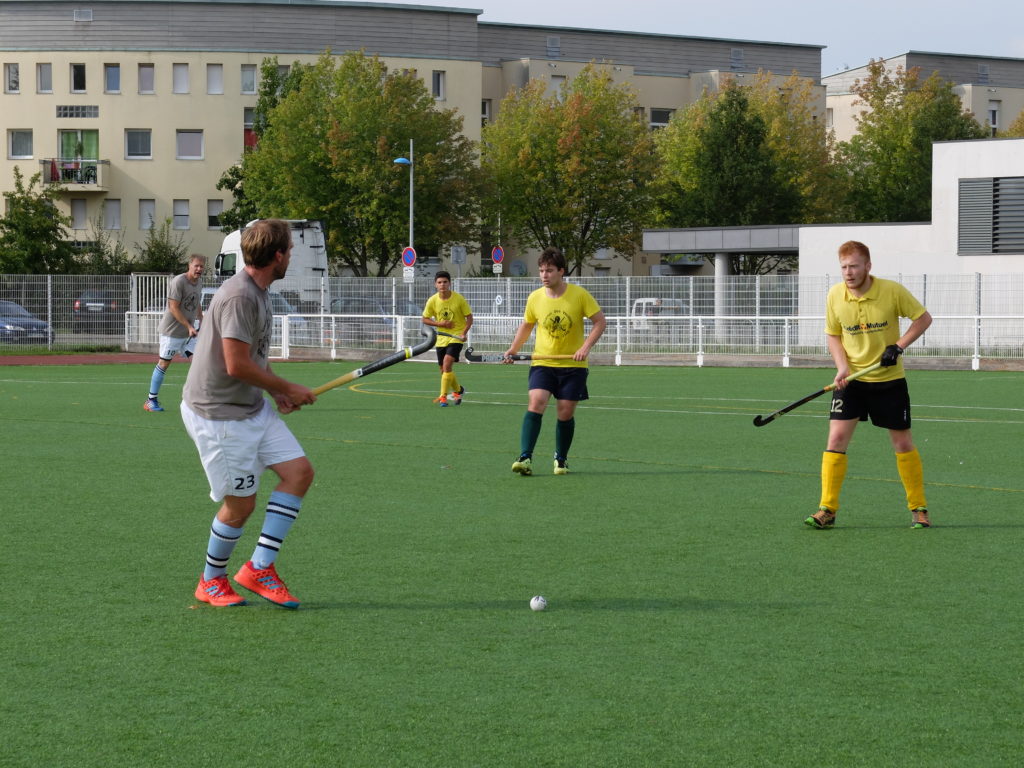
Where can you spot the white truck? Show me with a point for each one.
(305, 285)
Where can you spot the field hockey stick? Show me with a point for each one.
(501, 357)
(395, 357)
(760, 421)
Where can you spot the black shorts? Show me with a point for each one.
(563, 383)
(451, 350)
(886, 402)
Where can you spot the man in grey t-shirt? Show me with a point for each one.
(179, 325)
(237, 432)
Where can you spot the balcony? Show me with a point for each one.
(76, 175)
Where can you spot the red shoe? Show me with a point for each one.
(218, 592)
(267, 584)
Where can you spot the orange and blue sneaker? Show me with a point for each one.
(457, 396)
(442, 401)
(267, 584)
(921, 518)
(823, 518)
(218, 592)
(152, 404)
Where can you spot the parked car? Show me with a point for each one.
(99, 311)
(19, 326)
(375, 328)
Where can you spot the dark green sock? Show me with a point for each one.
(530, 432)
(564, 430)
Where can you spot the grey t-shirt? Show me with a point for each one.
(187, 294)
(240, 310)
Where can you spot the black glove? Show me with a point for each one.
(891, 355)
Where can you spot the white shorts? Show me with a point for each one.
(177, 345)
(235, 453)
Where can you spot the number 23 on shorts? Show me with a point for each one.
(244, 483)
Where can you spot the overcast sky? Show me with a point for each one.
(852, 32)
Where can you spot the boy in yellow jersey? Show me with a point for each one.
(449, 311)
(862, 326)
(557, 310)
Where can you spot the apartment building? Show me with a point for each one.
(136, 107)
(992, 88)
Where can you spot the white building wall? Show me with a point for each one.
(929, 248)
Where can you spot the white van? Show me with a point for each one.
(305, 285)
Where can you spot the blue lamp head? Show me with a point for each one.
(402, 161)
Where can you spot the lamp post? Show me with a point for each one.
(409, 162)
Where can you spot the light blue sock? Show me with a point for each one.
(282, 509)
(222, 543)
(156, 382)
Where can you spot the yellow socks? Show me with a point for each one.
(833, 470)
(446, 385)
(912, 475)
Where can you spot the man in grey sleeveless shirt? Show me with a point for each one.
(236, 430)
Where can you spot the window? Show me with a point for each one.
(19, 144)
(79, 145)
(283, 70)
(983, 74)
(112, 214)
(12, 78)
(147, 78)
(215, 78)
(991, 215)
(993, 115)
(79, 211)
(181, 214)
(249, 138)
(78, 78)
(189, 145)
(557, 85)
(485, 112)
(147, 214)
(437, 81)
(736, 58)
(83, 14)
(829, 118)
(111, 78)
(138, 144)
(44, 78)
(214, 208)
(553, 46)
(78, 110)
(248, 78)
(661, 117)
(179, 75)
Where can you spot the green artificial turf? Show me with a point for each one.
(693, 619)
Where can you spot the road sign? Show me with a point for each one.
(409, 256)
(458, 254)
(497, 254)
(408, 275)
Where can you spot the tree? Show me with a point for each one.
(719, 169)
(889, 160)
(105, 254)
(327, 152)
(802, 146)
(161, 251)
(571, 169)
(33, 232)
(1016, 129)
(273, 85)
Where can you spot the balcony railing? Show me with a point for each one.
(76, 175)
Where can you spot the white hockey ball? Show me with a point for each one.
(538, 603)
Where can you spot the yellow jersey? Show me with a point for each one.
(868, 324)
(454, 308)
(559, 323)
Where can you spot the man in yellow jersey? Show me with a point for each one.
(557, 310)
(862, 326)
(449, 311)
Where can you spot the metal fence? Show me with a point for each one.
(772, 319)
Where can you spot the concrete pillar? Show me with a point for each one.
(721, 273)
